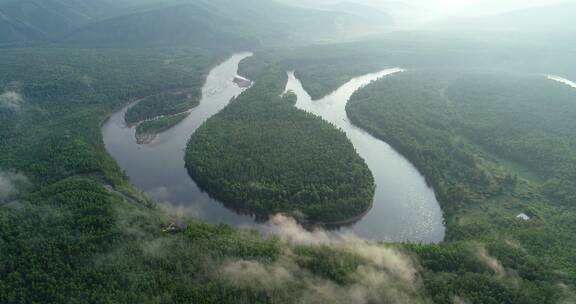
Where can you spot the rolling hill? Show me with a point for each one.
(216, 24)
(559, 17)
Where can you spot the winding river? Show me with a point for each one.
(405, 208)
(158, 168)
(562, 80)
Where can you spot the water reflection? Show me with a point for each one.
(405, 209)
(158, 168)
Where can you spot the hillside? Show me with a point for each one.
(494, 146)
(45, 20)
(185, 24)
(218, 23)
(559, 17)
(211, 24)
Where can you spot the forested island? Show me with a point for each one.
(263, 156)
(164, 104)
(148, 129)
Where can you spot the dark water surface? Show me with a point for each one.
(405, 209)
(158, 168)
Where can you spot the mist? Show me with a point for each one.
(386, 275)
(268, 151)
(11, 100)
(11, 185)
(447, 14)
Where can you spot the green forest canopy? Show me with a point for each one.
(488, 142)
(78, 232)
(262, 155)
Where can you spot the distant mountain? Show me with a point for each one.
(210, 23)
(544, 18)
(185, 24)
(216, 22)
(373, 14)
(46, 20)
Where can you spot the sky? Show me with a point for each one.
(423, 11)
(479, 6)
(432, 10)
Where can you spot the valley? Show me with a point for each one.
(420, 222)
(286, 151)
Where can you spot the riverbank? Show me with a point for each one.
(404, 206)
(148, 130)
(262, 154)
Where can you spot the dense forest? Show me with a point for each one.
(72, 228)
(262, 155)
(164, 104)
(471, 134)
(429, 129)
(213, 24)
(150, 128)
(529, 121)
(494, 146)
(325, 67)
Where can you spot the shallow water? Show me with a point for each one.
(562, 80)
(405, 209)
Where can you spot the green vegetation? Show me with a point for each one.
(263, 155)
(325, 67)
(526, 120)
(155, 126)
(477, 137)
(73, 230)
(64, 94)
(452, 170)
(162, 104)
(76, 231)
(214, 24)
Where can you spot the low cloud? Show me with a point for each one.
(254, 274)
(459, 300)
(288, 230)
(490, 261)
(385, 274)
(11, 100)
(568, 295)
(11, 184)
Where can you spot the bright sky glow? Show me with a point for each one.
(421, 12)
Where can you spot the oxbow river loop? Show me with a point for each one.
(404, 209)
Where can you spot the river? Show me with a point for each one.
(562, 80)
(158, 168)
(404, 209)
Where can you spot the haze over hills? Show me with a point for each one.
(558, 17)
(46, 20)
(178, 22)
(420, 14)
(288, 151)
(251, 23)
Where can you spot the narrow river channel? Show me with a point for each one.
(562, 80)
(405, 208)
(158, 168)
